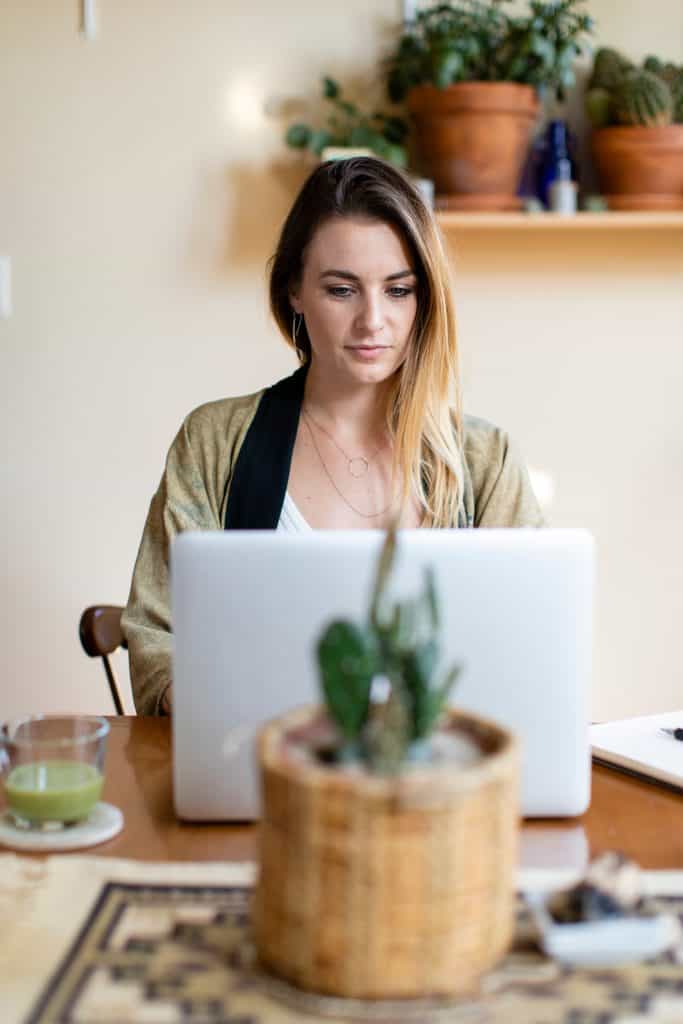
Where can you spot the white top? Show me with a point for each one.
(291, 520)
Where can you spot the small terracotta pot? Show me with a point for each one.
(472, 138)
(639, 167)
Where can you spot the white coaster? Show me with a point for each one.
(104, 822)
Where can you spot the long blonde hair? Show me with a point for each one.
(424, 414)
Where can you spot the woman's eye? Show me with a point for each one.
(340, 291)
(399, 292)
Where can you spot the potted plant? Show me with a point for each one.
(350, 132)
(388, 839)
(472, 76)
(637, 136)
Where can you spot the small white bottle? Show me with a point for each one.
(562, 191)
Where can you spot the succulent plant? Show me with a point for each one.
(677, 116)
(620, 93)
(477, 41)
(598, 106)
(642, 98)
(609, 67)
(400, 645)
(668, 72)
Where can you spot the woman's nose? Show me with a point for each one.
(371, 318)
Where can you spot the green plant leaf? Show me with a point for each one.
(432, 597)
(437, 699)
(330, 88)
(347, 660)
(350, 109)
(446, 68)
(395, 129)
(319, 140)
(417, 669)
(384, 566)
(396, 155)
(543, 48)
(298, 136)
(363, 136)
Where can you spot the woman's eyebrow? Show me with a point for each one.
(348, 276)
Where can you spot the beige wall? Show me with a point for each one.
(141, 187)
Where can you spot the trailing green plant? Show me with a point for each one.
(474, 40)
(398, 645)
(347, 125)
(620, 93)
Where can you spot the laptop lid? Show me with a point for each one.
(248, 607)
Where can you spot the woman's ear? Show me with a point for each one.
(295, 303)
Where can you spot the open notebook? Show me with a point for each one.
(637, 745)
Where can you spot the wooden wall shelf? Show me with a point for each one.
(452, 221)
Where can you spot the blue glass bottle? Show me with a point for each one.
(558, 150)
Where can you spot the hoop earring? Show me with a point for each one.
(296, 325)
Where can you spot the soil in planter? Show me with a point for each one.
(316, 742)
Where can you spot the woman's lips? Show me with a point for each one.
(368, 351)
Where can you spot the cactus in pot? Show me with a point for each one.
(350, 832)
(399, 648)
(637, 144)
(619, 93)
(609, 67)
(641, 97)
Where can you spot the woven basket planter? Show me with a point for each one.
(382, 888)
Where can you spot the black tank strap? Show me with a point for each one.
(259, 482)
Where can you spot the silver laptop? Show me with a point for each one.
(248, 607)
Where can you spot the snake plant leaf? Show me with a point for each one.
(348, 662)
(435, 701)
(378, 610)
(417, 670)
(432, 597)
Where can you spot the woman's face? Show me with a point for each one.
(358, 295)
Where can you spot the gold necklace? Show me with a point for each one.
(360, 462)
(365, 515)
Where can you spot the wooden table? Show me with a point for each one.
(642, 820)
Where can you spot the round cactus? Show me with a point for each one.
(671, 74)
(642, 98)
(677, 116)
(609, 68)
(653, 64)
(598, 107)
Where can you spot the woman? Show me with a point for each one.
(363, 432)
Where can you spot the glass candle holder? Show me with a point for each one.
(52, 768)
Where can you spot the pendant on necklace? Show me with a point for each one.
(358, 466)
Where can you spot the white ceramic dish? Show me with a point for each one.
(616, 940)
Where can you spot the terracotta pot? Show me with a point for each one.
(473, 138)
(640, 168)
(380, 888)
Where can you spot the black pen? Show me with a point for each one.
(676, 733)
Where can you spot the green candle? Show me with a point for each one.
(53, 790)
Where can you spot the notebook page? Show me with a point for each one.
(639, 745)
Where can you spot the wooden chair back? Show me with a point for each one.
(100, 633)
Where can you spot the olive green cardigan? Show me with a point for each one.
(195, 493)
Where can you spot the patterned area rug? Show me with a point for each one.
(179, 950)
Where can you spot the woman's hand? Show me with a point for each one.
(167, 700)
